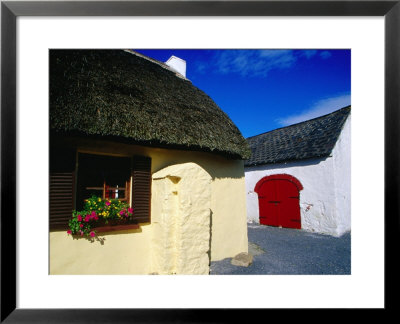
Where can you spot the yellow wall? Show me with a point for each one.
(181, 208)
(127, 252)
(124, 252)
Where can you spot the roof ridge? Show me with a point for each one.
(305, 121)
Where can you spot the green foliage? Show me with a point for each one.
(95, 209)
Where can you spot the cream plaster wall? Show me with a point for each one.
(229, 225)
(124, 252)
(129, 250)
(181, 208)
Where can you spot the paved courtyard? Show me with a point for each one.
(289, 251)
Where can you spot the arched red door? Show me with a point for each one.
(279, 197)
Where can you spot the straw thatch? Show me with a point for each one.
(116, 93)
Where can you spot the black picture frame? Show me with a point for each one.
(10, 10)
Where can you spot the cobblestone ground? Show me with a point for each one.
(290, 251)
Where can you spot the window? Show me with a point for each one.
(103, 176)
(124, 178)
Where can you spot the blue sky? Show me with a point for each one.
(262, 90)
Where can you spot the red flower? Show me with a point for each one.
(108, 203)
(69, 232)
(130, 210)
(79, 217)
(92, 234)
(80, 225)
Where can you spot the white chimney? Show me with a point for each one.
(177, 64)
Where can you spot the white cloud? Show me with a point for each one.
(201, 67)
(320, 108)
(325, 55)
(252, 62)
(308, 53)
(255, 62)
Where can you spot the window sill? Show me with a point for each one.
(114, 228)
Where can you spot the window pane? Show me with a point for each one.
(101, 175)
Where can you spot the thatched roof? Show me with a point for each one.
(314, 138)
(119, 94)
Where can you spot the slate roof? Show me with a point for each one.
(313, 138)
(124, 96)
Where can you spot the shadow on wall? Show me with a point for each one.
(279, 165)
(217, 167)
(209, 244)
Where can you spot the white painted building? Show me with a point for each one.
(299, 176)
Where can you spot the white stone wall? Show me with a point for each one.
(325, 199)
(342, 168)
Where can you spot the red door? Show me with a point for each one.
(279, 202)
(289, 208)
(269, 209)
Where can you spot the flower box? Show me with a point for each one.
(115, 225)
(102, 215)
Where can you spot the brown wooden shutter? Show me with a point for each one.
(61, 198)
(141, 188)
(61, 187)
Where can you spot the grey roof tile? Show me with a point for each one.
(309, 139)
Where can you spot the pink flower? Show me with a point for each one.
(80, 225)
(108, 203)
(86, 218)
(92, 234)
(79, 217)
(130, 210)
(81, 233)
(122, 212)
(69, 232)
(93, 214)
